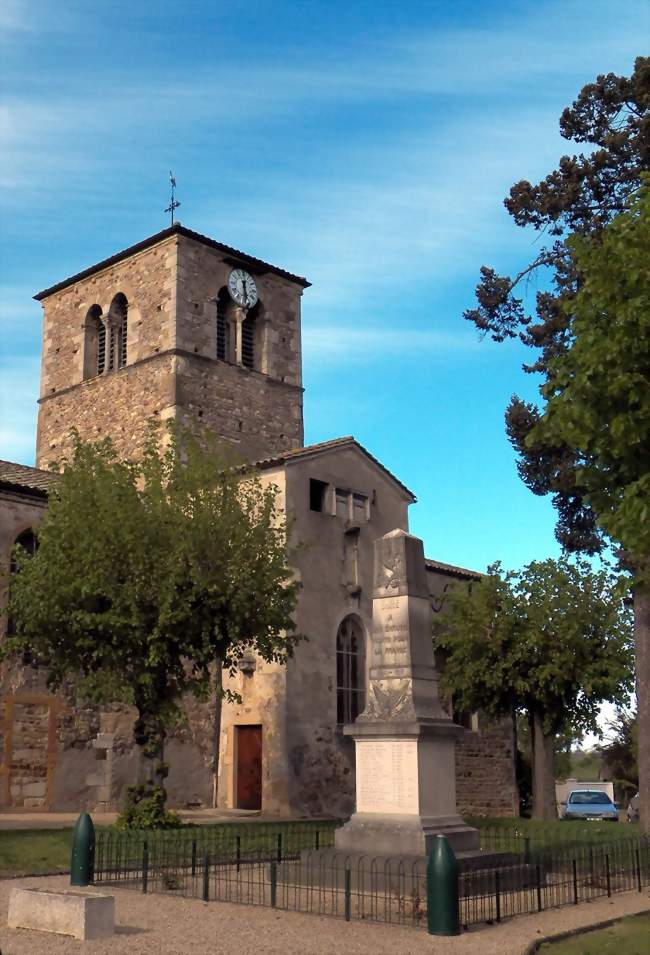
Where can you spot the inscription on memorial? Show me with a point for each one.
(390, 635)
(387, 776)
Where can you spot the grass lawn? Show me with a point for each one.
(27, 851)
(34, 850)
(509, 832)
(628, 937)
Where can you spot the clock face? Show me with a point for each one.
(242, 288)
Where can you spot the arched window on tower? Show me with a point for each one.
(94, 343)
(350, 670)
(118, 332)
(248, 338)
(224, 337)
(27, 540)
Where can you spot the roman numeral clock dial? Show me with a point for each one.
(242, 288)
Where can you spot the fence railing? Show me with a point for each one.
(553, 877)
(124, 856)
(295, 869)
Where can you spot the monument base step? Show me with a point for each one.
(326, 869)
(403, 835)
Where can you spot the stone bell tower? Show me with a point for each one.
(177, 326)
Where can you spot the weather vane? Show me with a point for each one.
(174, 204)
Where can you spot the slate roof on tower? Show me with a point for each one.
(239, 259)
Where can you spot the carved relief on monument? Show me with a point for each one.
(389, 700)
(390, 570)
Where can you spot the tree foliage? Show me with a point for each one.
(146, 574)
(620, 754)
(581, 197)
(598, 391)
(552, 640)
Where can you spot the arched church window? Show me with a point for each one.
(27, 540)
(94, 343)
(350, 670)
(223, 326)
(118, 332)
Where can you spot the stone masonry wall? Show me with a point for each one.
(147, 279)
(485, 771)
(118, 405)
(259, 416)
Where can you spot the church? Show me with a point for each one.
(180, 326)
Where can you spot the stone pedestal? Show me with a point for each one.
(80, 914)
(404, 739)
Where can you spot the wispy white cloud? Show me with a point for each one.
(19, 378)
(337, 343)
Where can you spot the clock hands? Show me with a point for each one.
(242, 288)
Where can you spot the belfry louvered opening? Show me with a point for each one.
(248, 342)
(94, 357)
(118, 332)
(223, 325)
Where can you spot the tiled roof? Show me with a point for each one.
(450, 569)
(176, 229)
(24, 478)
(311, 449)
(34, 479)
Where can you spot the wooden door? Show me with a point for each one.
(249, 767)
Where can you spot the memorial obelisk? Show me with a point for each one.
(404, 739)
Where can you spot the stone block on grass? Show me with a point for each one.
(83, 915)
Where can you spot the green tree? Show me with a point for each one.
(581, 197)
(598, 400)
(620, 754)
(149, 577)
(552, 640)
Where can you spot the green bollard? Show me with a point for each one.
(82, 863)
(442, 889)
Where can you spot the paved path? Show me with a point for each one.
(172, 926)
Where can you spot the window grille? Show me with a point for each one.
(350, 670)
(101, 347)
(111, 349)
(117, 332)
(122, 332)
(223, 327)
(248, 342)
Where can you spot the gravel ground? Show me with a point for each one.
(161, 925)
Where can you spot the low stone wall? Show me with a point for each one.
(485, 771)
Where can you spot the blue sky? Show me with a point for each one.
(366, 145)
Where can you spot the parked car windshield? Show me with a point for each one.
(590, 799)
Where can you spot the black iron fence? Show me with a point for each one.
(126, 856)
(295, 868)
(551, 877)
